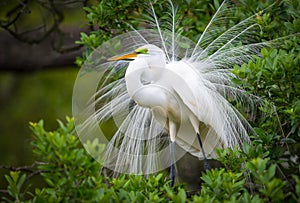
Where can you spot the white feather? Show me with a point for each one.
(193, 86)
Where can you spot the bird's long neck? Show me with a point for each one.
(142, 72)
(133, 77)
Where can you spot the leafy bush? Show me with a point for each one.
(274, 76)
(69, 174)
(278, 84)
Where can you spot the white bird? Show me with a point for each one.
(179, 99)
(170, 84)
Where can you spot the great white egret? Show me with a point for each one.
(176, 97)
(157, 81)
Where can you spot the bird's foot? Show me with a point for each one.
(206, 165)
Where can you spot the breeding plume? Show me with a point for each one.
(163, 95)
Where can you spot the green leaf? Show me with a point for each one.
(182, 195)
(287, 140)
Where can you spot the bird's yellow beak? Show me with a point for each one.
(130, 56)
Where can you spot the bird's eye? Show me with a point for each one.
(141, 51)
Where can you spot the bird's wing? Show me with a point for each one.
(197, 93)
(220, 126)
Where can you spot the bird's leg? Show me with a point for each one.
(172, 131)
(172, 167)
(195, 123)
(206, 164)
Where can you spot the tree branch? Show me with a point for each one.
(19, 56)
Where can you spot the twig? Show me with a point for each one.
(24, 168)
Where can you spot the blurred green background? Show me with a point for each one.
(28, 97)
(37, 69)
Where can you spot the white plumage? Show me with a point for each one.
(178, 86)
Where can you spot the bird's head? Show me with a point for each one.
(146, 62)
(146, 51)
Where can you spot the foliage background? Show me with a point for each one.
(266, 171)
